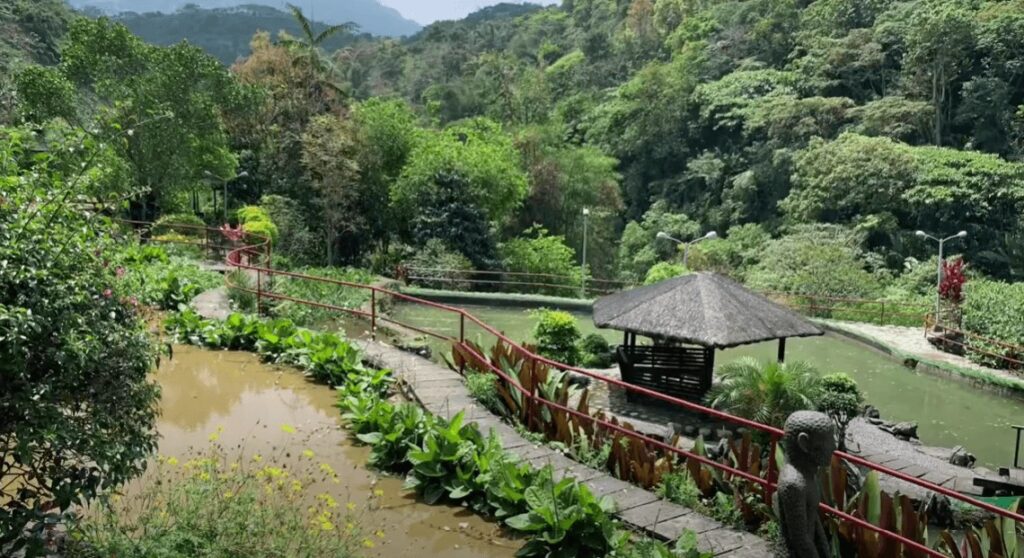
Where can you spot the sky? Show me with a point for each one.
(429, 11)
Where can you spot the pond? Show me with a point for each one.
(259, 410)
(949, 413)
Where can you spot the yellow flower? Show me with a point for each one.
(326, 468)
(378, 492)
(350, 527)
(257, 458)
(326, 525)
(172, 461)
(368, 543)
(288, 428)
(351, 506)
(296, 486)
(308, 453)
(234, 466)
(215, 436)
(228, 495)
(380, 534)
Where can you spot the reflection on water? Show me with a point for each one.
(248, 403)
(948, 412)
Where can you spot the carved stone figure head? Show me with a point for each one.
(809, 440)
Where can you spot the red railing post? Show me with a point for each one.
(373, 314)
(259, 292)
(769, 488)
(462, 341)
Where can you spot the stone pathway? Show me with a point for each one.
(213, 304)
(442, 392)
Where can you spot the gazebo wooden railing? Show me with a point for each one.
(683, 372)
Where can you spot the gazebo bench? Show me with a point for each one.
(683, 372)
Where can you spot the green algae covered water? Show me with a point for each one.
(949, 413)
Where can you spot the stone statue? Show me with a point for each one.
(809, 442)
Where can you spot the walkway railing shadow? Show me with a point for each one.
(254, 257)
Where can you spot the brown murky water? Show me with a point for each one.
(245, 404)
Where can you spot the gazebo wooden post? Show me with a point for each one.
(709, 367)
(782, 349)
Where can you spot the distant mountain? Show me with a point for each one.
(370, 15)
(223, 32)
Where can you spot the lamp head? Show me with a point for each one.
(664, 235)
(961, 234)
(586, 211)
(711, 234)
(921, 234)
(243, 174)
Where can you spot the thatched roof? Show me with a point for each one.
(702, 309)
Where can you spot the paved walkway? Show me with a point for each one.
(911, 340)
(213, 304)
(442, 392)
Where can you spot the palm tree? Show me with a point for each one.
(767, 393)
(310, 49)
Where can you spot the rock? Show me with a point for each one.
(579, 380)
(905, 429)
(704, 432)
(940, 510)
(871, 412)
(690, 431)
(962, 458)
(876, 421)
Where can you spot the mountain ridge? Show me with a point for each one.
(371, 16)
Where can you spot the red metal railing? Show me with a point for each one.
(254, 259)
(974, 343)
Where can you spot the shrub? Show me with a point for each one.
(242, 300)
(77, 410)
(204, 508)
(841, 400)
(483, 388)
(995, 310)
(664, 270)
(179, 245)
(537, 252)
(255, 221)
(164, 285)
(824, 260)
(194, 226)
(438, 267)
(557, 336)
(295, 238)
(767, 393)
(596, 351)
(319, 291)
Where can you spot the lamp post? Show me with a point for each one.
(583, 261)
(938, 274)
(686, 245)
(224, 182)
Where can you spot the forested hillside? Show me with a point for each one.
(223, 32)
(370, 15)
(814, 137)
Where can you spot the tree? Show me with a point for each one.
(939, 43)
(640, 247)
(170, 101)
(329, 154)
(765, 392)
(480, 153)
(309, 49)
(447, 215)
(536, 252)
(77, 411)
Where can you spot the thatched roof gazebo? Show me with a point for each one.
(708, 310)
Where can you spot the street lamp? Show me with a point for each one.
(938, 285)
(583, 261)
(686, 245)
(224, 181)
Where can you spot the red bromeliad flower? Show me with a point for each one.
(951, 289)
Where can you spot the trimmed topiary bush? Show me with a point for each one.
(596, 351)
(557, 336)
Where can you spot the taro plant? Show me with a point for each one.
(445, 462)
(392, 438)
(566, 519)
